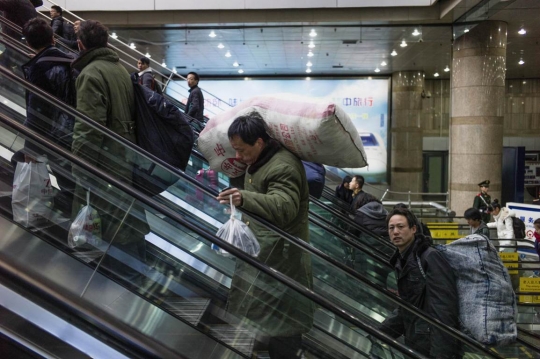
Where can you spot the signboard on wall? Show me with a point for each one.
(364, 100)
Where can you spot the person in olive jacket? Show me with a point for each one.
(105, 94)
(425, 280)
(276, 189)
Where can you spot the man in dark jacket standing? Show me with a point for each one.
(276, 189)
(195, 102)
(425, 280)
(62, 27)
(105, 94)
(50, 70)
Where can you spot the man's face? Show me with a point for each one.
(484, 189)
(346, 185)
(191, 81)
(473, 222)
(141, 66)
(353, 185)
(54, 13)
(401, 235)
(244, 152)
(76, 25)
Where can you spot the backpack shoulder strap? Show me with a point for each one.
(54, 59)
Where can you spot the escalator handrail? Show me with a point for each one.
(391, 296)
(120, 332)
(238, 253)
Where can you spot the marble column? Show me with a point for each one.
(477, 112)
(406, 132)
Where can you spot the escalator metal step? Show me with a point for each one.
(191, 309)
(241, 339)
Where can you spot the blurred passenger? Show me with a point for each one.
(360, 198)
(195, 102)
(146, 78)
(50, 70)
(482, 201)
(474, 219)
(425, 280)
(372, 216)
(105, 94)
(504, 224)
(276, 189)
(343, 191)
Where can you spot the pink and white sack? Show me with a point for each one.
(314, 130)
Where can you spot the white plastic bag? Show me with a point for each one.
(33, 193)
(86, 228)
(238, 234)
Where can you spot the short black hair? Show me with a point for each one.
(496, 204)
(249, 128)
(57, 8)
(411, 218)
(347, 179)
(473, 213)
(93, 34)
(145, 60)
(38, 33)
(196, 75)
(360, 180)
(536, 221)
(401, 205)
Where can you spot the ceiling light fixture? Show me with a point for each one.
(312, 33)
(308, 70)
(212, 34)
(403, 43)
(446, 69)
(114, 36)
(521, 62)
(240, 71)
(436, 74)
(466, 30)
(310, 54)
(228, 54)
(308, 78)
(383, 63)
(235, 64)
(309, 64)
(377, 70)
(311, 45)
(416, 32)
(522, 31)
(148, 54)
(524, 82)
(393, 53)
(220, 46)
(246, 78)
(132, 46)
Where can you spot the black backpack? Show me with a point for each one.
(163, 130)
(68, 32)
(519, 228)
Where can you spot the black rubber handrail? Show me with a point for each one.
(117, 331)
(278, 276)
(391, 296)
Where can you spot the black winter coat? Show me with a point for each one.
(195, 103)
(54, 78)
(18, 12)
(373, 217)
(436, 295)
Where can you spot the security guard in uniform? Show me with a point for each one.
(482, 201)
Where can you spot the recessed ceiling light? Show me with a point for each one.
(403, 43)
(377, 70)
(522, 31)
(521, 62)
(308, 70)
(308, 78)
(114, 36)
(312, 33)
(383, 63)
(436, 74)
(235, 64)
(212, 34)
(309, 64)
(220, 46)
(132, 46)
(524, 82)
(416, 32)
(311, 45)
(148, 54)
(310, 54)
(466, 30)
(240, 71)
(393, 53)
(228, 54)
(446, 69)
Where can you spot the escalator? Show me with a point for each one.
(192, 254)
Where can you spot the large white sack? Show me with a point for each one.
(315, 130)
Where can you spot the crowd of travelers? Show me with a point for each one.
(276, 187)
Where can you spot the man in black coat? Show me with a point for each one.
(425, 280)
(195, 102)
(49, 70)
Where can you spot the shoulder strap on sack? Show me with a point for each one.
(420, 266)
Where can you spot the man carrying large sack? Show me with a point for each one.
(276, 189)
